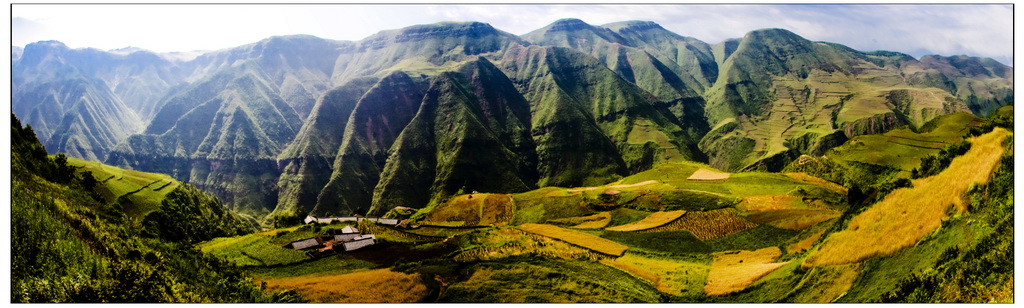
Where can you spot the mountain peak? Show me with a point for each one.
(632, 25)
(568, 24)
(773, 33)
(446, 29)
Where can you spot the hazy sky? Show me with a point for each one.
(975, 30)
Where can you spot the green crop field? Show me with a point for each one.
(143, 191)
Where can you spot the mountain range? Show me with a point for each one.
(413, 116)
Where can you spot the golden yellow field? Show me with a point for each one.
(794, 219)
(708, 225)
(576, 238)
(732, 271)
(655, 220)
(596, 221)
(708, 175)
(829, 283)
(810, 179)
(587, 222)
(375, 286)
(806, 243)
(670, 276)
(505, 242)
(472, 210)
(908, 214)
(766, 203)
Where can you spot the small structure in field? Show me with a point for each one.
(359, 242)
(347, 239)
(347, 234)
(306, 243)
(328, 220)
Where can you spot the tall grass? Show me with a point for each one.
(374, 286)
(906, 215)
(735, 270)
(577, 238)
(654, 220)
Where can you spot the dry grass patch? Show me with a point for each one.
(766, 203)
(505, 242)
(795, 219)
(596, 221)
(496, 209)
(576, 238)
(806, 243)
(708, 225)
(708, 175)
(908, 214)
(473, 210)
(376, 286)
(810, 179)
(653, 221)
(670, 276)
(732, 271)
(826, 283)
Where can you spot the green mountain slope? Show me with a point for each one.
(378, 119)
(673, 68)
(297, 67)
(779, 95)
(421, 49)
(75, 244)
(77, 116)
(308, 158)
(589, 124)
(222, 134)
(470, 133)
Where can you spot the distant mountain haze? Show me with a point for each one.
(413, 116)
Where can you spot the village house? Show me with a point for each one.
(328, 220)
(347, 239)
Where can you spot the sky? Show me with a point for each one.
(974, 30)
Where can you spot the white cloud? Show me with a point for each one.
(977, 30)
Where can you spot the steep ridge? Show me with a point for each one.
(649, 69)
(421, 49)
(221, 134)
(673, 68)
(984, 84)
(378, 119)
(308, 159)
(76, 116)
(298, 67)
(779, 95)
(471, 133)
(589, 124)
(139, 78)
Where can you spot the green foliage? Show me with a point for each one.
(68, 249)
(190, 215)
(532, 279)
(933, 164)
(752, 239)
(669, 242)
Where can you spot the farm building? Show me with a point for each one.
(327, 220)
(347, 234)
(306, 243)
(359, 242)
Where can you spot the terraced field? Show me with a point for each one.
(732, 271)
(655, 220)
(576, 238)
(139, 192)
(903, 148)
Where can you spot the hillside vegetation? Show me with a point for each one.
(73, 244)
